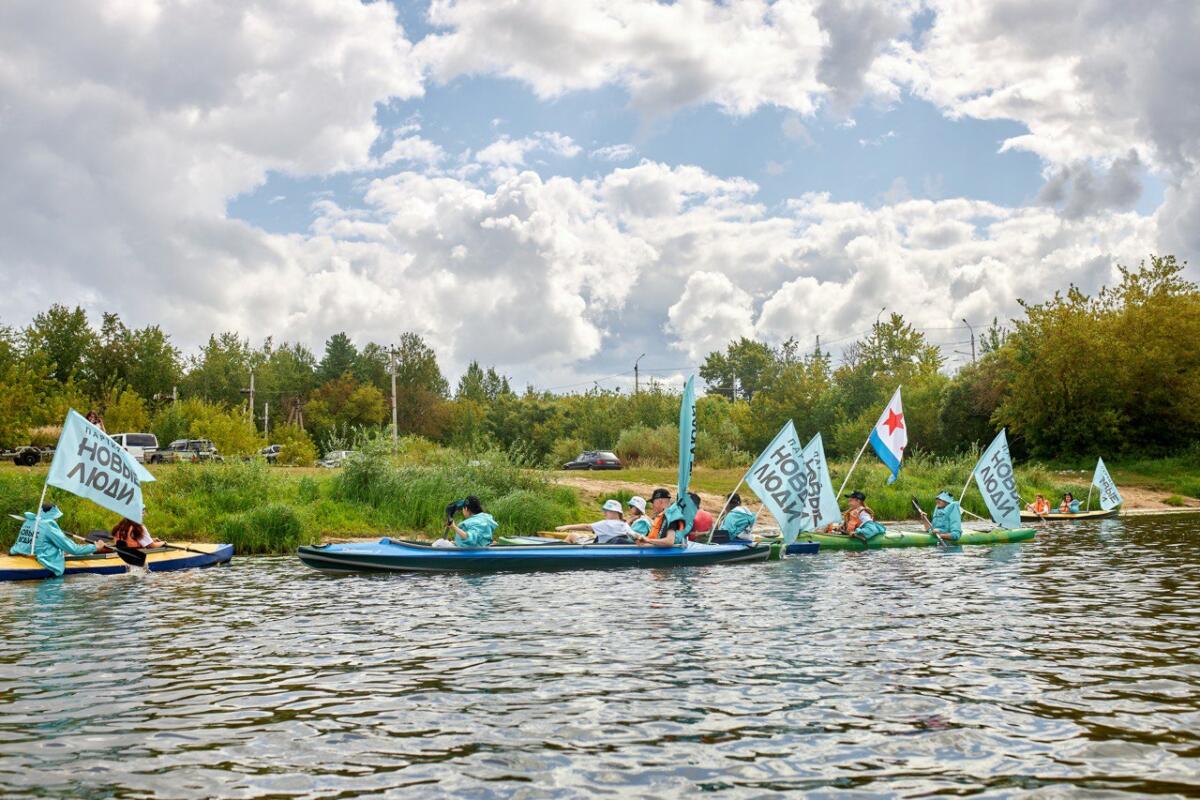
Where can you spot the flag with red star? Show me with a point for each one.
(890, 436)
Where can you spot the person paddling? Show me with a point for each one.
(1069, 504)
(738, 520)
(610, 530)
(1040, 505)
(947, 518)
(858, 520)
(52, 545)
(667, 529)
(476, 528)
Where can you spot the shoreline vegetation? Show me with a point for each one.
(263, 509)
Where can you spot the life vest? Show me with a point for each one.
(1041, 506)
(851, 519)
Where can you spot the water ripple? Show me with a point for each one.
(1060, 667)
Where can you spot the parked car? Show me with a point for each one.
(190, 450)
(142, 446)
(594, 459)
(335, 458)
(271, 452)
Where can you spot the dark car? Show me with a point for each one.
(594, 459)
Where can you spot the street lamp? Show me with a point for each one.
(635, 373)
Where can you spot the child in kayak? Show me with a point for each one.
(1040, 505)
(947, 518)
(858, 520)
(52, 544)
(639, 523)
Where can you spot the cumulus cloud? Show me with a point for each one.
(710, 312)
(859, 32)
(512, 152)
(413, 149)
(1079, 190)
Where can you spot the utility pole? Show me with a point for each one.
(636, 387)
(174, 394)
(395, 417)
(267, 419)
(972, 330)
(250, 392)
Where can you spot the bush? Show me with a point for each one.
(296, 448)
(270, 529)
(1175, 500)
(564, 450)
(307, 490)
(525, 511)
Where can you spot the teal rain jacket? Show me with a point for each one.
(478, 529)
(52, 544)
(948, 520)
(738, 521)
(641, 525)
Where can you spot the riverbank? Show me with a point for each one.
(264, 509)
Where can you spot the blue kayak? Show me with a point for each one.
(392, 556)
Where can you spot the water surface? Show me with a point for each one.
(1063, 666)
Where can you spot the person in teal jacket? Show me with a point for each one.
(477, 527)
(52, 544)
(738, 520)
(1069, 504)
(947, 518)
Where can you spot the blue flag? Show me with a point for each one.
(89, 463)
(998, 483)
(781, 481)
(687, 451)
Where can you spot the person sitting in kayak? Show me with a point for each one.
(133, 535)
(610, 530)
(702, 523)
(477, 526)
(1069, 504)
(639, 523)
(669, 524)
(858, 520)
(738, 520)
(947, 518)
(1040, 505)
(52, 544)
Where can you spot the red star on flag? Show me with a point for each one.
(893, 421)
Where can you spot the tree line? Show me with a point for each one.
(1114, 373)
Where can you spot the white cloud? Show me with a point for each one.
(413, 149)
(710, 312)
(512, 152)
(615, 153)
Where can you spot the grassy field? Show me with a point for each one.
(263, 509)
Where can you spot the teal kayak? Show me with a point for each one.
(387, 555)
(834, 541)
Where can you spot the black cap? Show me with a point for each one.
(859, 496)
(660, 494)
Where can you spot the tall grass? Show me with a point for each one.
(413, 497)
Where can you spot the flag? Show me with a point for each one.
(1110, 498)
(890, 436)
(780, 480)
(89, 463)
(998, 483)
(821, 506)
(687, 450)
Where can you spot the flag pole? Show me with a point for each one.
(37, 521)
(965, 485)
(861, 450)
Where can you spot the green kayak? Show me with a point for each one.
(833, 541)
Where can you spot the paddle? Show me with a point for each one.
(105, 537)
(134, 558)
(917, 505)
(1035, 511)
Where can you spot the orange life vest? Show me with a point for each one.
(851, 519)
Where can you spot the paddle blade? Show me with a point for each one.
(134, 558)
(99, 536)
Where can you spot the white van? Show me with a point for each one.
(142, 446)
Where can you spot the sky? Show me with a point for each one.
(558, 188)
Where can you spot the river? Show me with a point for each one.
(1067, 665)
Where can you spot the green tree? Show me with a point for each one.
(296, 448)
(124, 411)
(155, 366)
(64, 336)
(421, 389)
(344, 402)
(106, 363)
(221, 370)
(373, 367)
(341, 357)
(741, 371)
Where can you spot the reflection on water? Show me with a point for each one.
(1059, 666)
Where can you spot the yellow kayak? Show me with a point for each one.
(26, 568)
